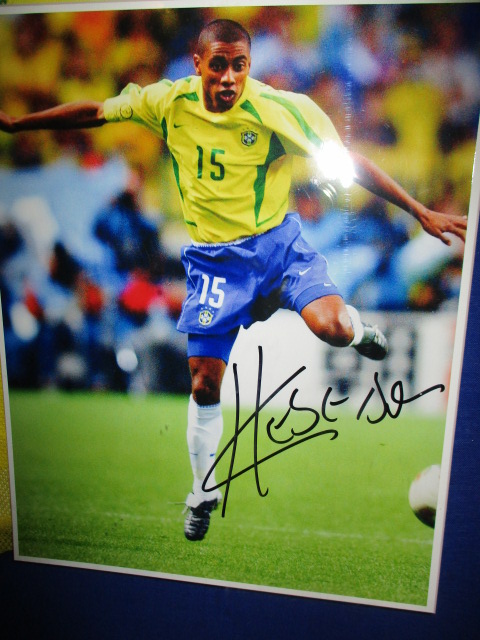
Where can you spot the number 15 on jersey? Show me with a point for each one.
(217, 296)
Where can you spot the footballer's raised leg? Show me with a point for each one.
(369, 341)
(340, 325)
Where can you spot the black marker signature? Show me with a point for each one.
(291, 438)
(396, 395)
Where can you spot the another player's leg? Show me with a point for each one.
(340, 325)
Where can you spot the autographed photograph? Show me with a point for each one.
(236, 252)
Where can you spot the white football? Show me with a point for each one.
(423, 494)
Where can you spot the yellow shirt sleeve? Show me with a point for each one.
(141, 105)
(299, 121)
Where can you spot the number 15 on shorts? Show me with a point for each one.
(215, 294)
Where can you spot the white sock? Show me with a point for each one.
(204, 430)
(357, 325)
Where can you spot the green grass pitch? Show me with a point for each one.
(98, 476)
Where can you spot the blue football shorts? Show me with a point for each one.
(235, 284)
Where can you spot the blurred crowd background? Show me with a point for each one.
(90, 222)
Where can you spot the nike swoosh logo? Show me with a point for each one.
(302, 273)
(176, 126)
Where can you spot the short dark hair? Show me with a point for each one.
(222, 30)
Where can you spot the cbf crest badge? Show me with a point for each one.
(205, 317)
(248, 138)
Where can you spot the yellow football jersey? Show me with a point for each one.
(233, 169)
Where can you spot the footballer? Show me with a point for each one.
(232, 141)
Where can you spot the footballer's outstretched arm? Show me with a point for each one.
(72, 115)
(437, 224)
